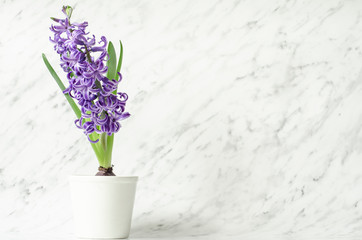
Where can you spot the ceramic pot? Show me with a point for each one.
(102, 205)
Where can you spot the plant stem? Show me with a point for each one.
(107, 159)
(88, 54)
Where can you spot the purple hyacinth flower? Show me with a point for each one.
(101, 109)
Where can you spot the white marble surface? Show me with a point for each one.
(246, 119)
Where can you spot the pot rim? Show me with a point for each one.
(86, 178)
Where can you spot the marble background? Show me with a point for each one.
(246, 118)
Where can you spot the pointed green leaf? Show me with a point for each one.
(120, 56)
(112, 62)
(96, 146)
(62, 87)
(119, 65)
(110, 139)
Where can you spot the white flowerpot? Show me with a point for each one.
(102, 205)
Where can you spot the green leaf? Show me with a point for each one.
(120, 56)
(96, 146)
(112, 62)
(119, 65)
(110, 139)
(62, 87)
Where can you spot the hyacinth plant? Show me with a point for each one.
(93, 75)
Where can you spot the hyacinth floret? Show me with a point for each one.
(85, 64)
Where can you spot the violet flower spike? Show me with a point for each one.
(101, 109)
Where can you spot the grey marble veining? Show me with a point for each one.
(246, 118)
